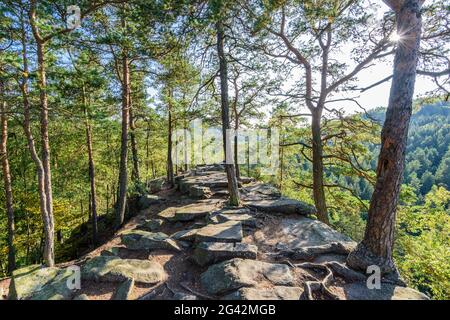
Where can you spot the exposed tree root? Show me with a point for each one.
(318, 287)
(310, 253)
(321, 287)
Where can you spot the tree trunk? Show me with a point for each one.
(170, 179)
(135, 175)
(317, 151)
(185, 146)
(91, 166)
(229, 165)
(236, 147)
(7, 181)
(376, 247)
(147, 150)
(49, 251)
(123, 175)
(47, 215)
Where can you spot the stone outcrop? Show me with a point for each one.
(39, 283)
(200, 192)
(123, 291)
(207, 253)
(236, 273)
(115, 269)
(148, 200)
(144, 240)
(152, 224)
(282, 205)
(274, 293)
(359, 291)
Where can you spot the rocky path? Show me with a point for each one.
(187, 244)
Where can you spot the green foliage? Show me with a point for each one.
(423, 241)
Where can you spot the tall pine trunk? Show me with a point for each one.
(135, 174)
(91, 165)
(123, 174)
(7, 179)
(27, 127)
(49, 225)
(317, 157)
(229, 164)
(377, 245)
(170, 178)
(236, 147)
(43, 164)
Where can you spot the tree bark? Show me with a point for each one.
(7, 180)
(170, 179)
(135, 174)
(229, 164)
(45, 146)
(377, 245)
(123, 174)
(42, 165)
(236, 147)
(317, 157)
(91, 166)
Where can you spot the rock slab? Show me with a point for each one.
(123, 291)
(359, 291)
(115, 269)
(237, 273)
(283, 205)
(207, 253)
(39, 283)
(144, 240)
(275, 293)
(230, 231)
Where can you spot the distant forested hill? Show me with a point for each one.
(428, 151)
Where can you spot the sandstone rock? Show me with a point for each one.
(245, 219)
(123, 291)
(237, 273)
(81, 297)
(147, 200)
(114, 251)
(199, 192)
(275, 293)
(183, 296)
(260, 191)
(152, 224)
(230, 231)
(190, 213)
(359, 291)
(212, 252)
(185, 235)
(283, 205)
(39, 283)
(303, 232)
(144, 240)
(115, 269)
(155, 185)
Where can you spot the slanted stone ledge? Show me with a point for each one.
(207, 253)
(282, 205)
(274, 293)
(144, 240)
(40, 283)
(237, 273)
(115, 269)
